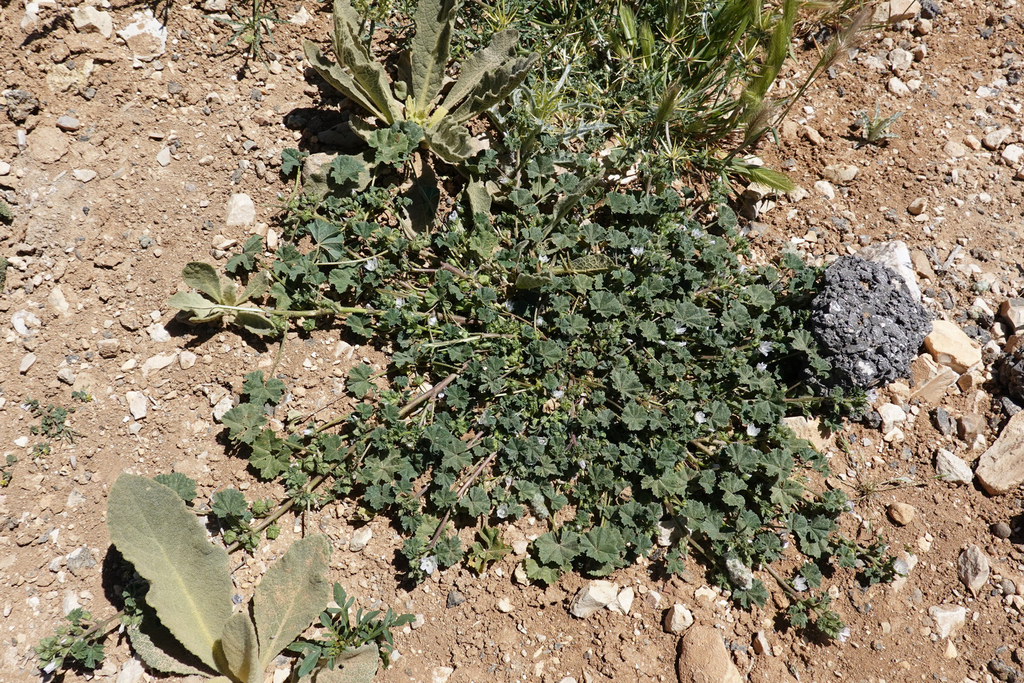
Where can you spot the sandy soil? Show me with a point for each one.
(119, 168)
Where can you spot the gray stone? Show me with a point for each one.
(972, 568)
(592, 597)
(996, 138)
(947, 618)
(1001, 468)
(900, 60)
(704, 659)
(867, 323)
(66, 376)
(131, 672)
(241, 211)
(79, 560)
(455, 598)
(677, 619)
(68, 123)
(951, 468)
(21, 104)
(1002, 530)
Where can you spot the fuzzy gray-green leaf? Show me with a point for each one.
(254, 321)
(342, 81)
(451, 141)
(203, 277)
(156, 657)
(189, 582)
(429, 54)
(501, 49)
(291, 595)
(239, 653)
(353, 666)
(257, 287)
(201, 309)
(493, 87)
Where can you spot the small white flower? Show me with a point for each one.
(371, 265)
(843, 635)
(765, 348)
(799, 583)
(680, 330)
(432, 320)
(508, 306)
(540, 322)
(428, 565)
(399, 302)
(761, 367)
(502, 511)
(583, 465)
(542, 440)
(700, 417)
(452, 216)
(681, 345)
(557, 394)
(697, 232)
(871, 395)
(753, 430)
(637, 251)
(543, 258)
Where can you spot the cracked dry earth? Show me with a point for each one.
(120, 149)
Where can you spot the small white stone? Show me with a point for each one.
(623, 601)
(441, 674)
(948, 618)
(360, 538)
(158, 334)
(222, 407)
(1012, 154)
(505, 605)
(592, 597)
(5, 168)
(131, 672)
(88, 19)
(677, 619)
(83, 174)
(240, 211)
(138, 404)
(163, 157)
(26, 362)
(898, 87)
(187, 360)
(892, 415)
(825, 189)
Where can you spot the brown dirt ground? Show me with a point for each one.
(95, 255)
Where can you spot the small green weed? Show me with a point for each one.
(252, 29)
(77, 644)
(344, 638)
(874, 129)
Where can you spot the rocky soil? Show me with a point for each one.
(130, 145)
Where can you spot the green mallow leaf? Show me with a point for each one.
(291, 595)
(181, 484)
(254, 321)
(203, 277)
(257, 287)
(352, 666)
(237, 650)
(190, 585)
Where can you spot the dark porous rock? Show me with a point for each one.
(1010, 370)
(867, 323)
(20, 105)
(1003, 671)
(455, 598)
(943, 421)
(930, 9)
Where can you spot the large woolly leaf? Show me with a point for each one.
(162, 656)
(291, 595)
(238, 650)
(451, 141)
(352, 666)
(257, 287)
(493, 87)
(195, 307)
(428, 54)
(189, 582)
(254, 321)
(203, 277)
(501, 49)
